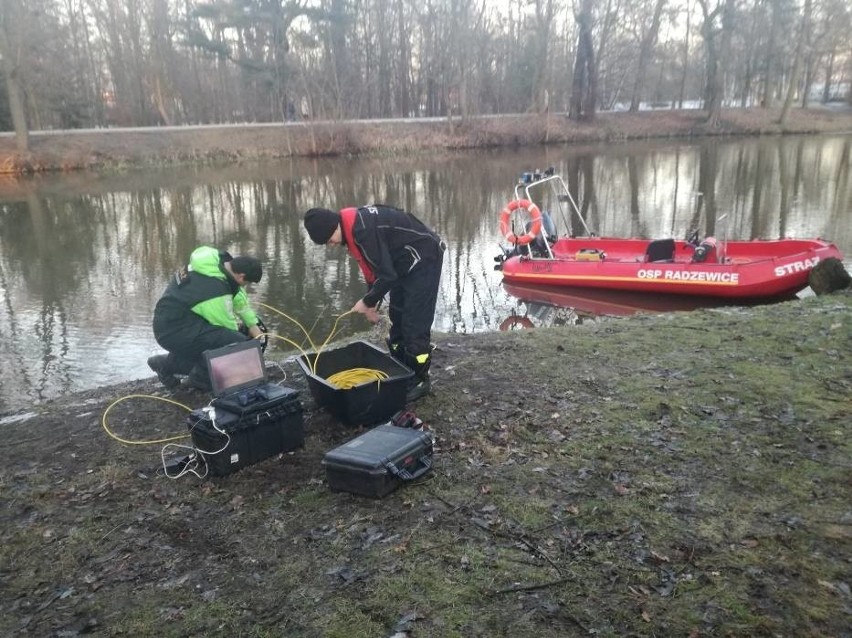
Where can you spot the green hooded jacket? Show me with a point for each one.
(204, 289)
(222, 309)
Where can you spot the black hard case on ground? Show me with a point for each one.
(366, 403)
(253, 437)
(377, 462)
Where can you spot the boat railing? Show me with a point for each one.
(534, 182)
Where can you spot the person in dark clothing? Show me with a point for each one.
(400, 255)
(200, 310)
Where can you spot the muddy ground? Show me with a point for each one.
(683, 474)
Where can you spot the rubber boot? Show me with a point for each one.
(420, 385)
(199, 379)
(165, 374)
(397, 351)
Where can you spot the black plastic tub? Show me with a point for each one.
(364, 404)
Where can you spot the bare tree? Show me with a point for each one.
(403, 61)
(795, 74)
(161, 61)
(751, 51)
(584, 89)
(609, 19)
(144, 62)
(770, 54)
(685, 58)
(14, 24)
(544, 14)
(649, 33)
(716, 28)
(253, 36)
(832, 40)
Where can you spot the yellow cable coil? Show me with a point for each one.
(346, 379)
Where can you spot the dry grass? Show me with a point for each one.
(112, 149)
(676, 475)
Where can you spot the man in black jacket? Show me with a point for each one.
(400, 255)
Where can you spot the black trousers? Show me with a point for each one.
(412, 308)
(187, 339)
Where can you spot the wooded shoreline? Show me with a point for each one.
(117, 149)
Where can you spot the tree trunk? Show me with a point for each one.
(18, 112)
(610, 19)
(403, 61)
(797, 63)
(384, 73)
(14, 92)
(646, 48)
(769, 63)
(717, 43)
(544, 12)
(712, 101)
(807, 81)
(829, 71)
(750, 56)
(685, 73)
(584, 89)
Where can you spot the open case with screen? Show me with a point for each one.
(251, 419)
(239, 380)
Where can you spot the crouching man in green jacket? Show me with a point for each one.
(199, 311)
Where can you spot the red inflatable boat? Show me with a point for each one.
(757, 269)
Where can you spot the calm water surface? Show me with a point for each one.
(83, 258)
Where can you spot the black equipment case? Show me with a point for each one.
(367, 403)
(249, 437)
(377, 462)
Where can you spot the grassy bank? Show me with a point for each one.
(110, 149)
(681, 474)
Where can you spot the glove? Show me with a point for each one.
(264, 340)
(404, 419)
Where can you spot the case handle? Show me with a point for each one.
(404, 475)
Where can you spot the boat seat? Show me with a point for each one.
(660, 250)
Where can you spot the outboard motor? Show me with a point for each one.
(705, 251)
(548, 226)
(547, 232)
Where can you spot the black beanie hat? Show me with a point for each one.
(248, 266)
(321, 224)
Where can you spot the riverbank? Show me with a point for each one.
(677, 474)
(113, 149)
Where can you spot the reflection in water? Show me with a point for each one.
(84, 257)
(538, 306)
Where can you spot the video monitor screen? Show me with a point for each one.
(235, 369)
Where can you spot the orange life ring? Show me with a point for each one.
(505, 226)
(516, 321)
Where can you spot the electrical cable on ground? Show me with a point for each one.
(141, 396)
